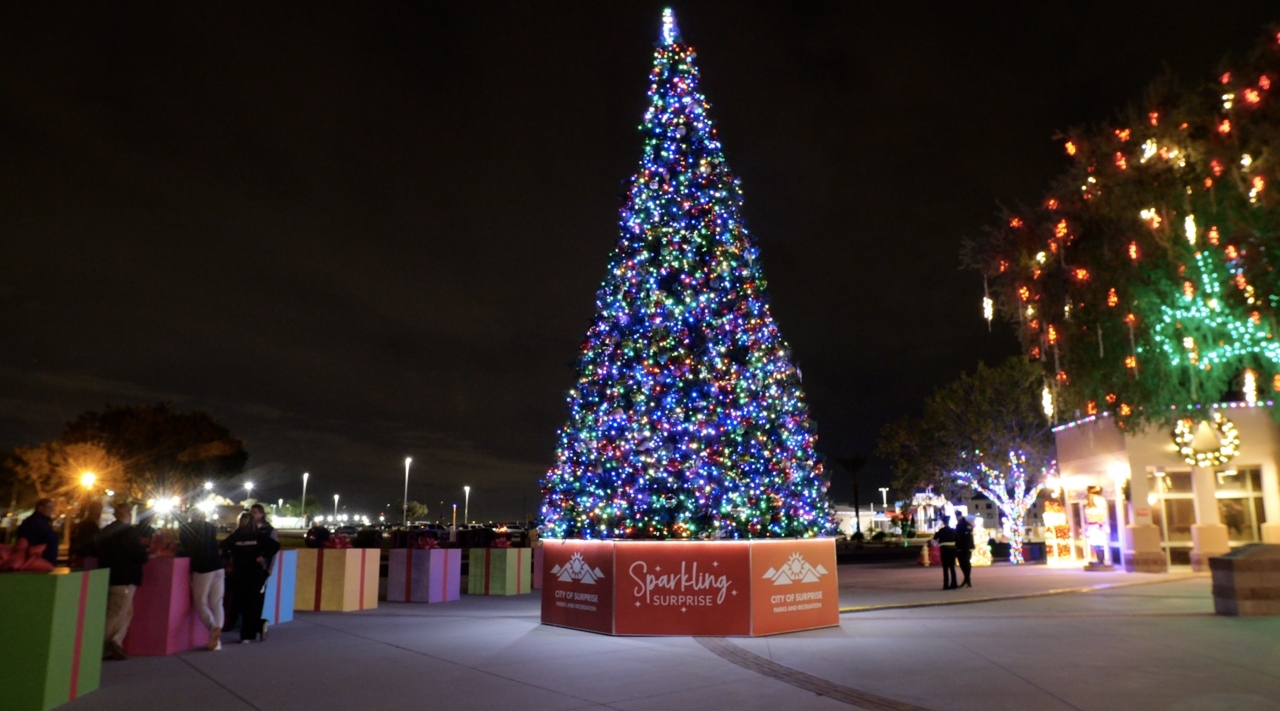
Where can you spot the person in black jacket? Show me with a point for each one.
(946, 538)
(38, 530)
(84, 534)
(251, 550)
(260, 523)
(119, 548)
(964, 549)
(199, 540)
(317, 536)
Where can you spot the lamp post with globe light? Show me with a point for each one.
(87, 480)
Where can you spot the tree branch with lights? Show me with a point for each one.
(1143, 284)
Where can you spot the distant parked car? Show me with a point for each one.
(347, 530)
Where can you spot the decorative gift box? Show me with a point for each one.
(51, 625)
(281, 588)
(164, 622)
(337, 579)
(424, 575)
(500, 571)
(539, 555)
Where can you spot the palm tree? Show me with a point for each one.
(853, 465)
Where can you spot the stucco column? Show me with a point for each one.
(1208, 535)
(1142, 552)
(1270, 503)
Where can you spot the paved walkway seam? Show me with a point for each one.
(751, 661)
(1016, 596)
(224, 687)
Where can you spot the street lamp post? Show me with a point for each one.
(405, 501)
(466, 505)
(884, 495)
(335, 505)
(248, 489)
(303, 502)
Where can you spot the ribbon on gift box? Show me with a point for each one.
(24, 557)
(500, 543)
(338, 541)
(425, 543)
(161, 545)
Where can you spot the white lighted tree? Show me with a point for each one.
(1009, 490)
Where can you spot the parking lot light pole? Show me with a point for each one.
(335, 505)
(466, 506)
(303, 501)
(405, 501)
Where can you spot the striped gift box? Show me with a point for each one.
(55, 622)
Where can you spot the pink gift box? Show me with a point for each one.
(163, 619)
(424, 575)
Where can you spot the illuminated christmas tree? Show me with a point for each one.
(687, 419)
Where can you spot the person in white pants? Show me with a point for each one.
(208, 574)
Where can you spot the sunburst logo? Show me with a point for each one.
(796, 570)
(577, 570)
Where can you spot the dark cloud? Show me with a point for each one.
(359, 233)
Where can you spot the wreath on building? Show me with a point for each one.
(1184, 435)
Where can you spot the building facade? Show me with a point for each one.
(1156, 510)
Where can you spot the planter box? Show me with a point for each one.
(417, 575)
(281, 588)
(52, 625)
(164, 622)
(1246, 582)
(715, 588)
(337, 579)
(500, 571)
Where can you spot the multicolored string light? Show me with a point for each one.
(1165, 236)
(688, 418)
(1009, 491)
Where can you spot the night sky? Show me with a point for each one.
(359, 234)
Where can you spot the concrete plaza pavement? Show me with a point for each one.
(1153, 645)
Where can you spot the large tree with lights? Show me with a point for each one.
(1145, 282)
(687, 419)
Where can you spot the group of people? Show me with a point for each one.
(956, 546)
(241, 564)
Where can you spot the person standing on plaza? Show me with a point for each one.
(83, 535)
(316, 536)
(946, 538)
(261, 524)
(964, 549)
(119, 548)
(37, 529)
(251, 550)
(199, 540)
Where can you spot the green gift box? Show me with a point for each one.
(52, 625)
(500, 571)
